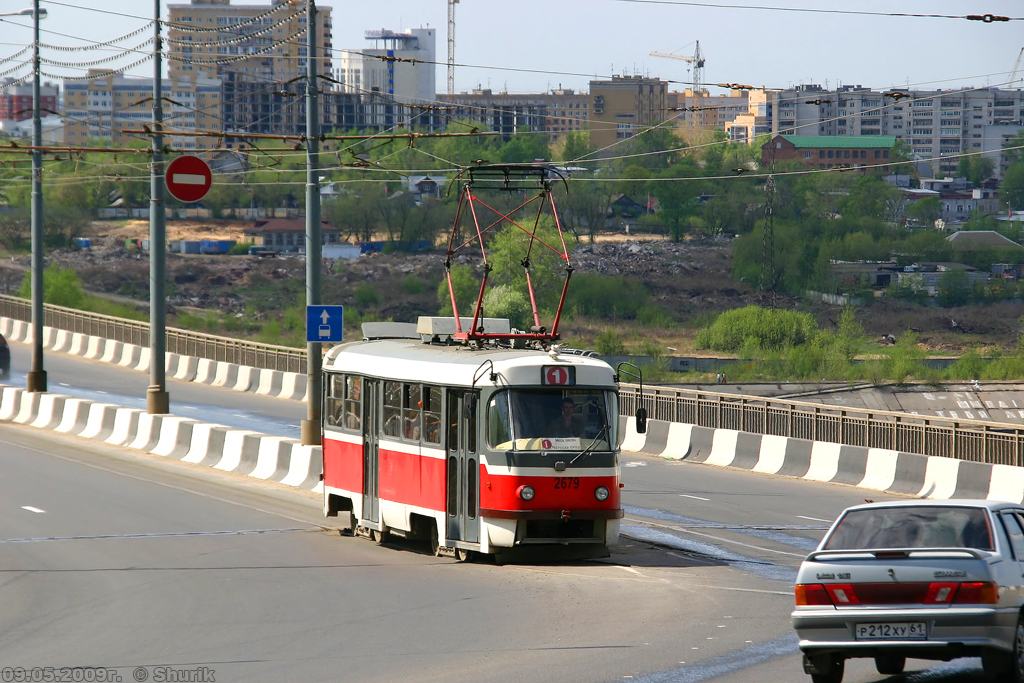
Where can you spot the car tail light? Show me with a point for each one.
(811, 594)
(980, 592)
(842, 594)
(940, 593)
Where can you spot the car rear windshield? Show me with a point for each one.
(912, 527)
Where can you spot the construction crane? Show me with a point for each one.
(451, 46)
(1016, 68)
(697, 60)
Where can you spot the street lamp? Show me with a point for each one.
(37, 376)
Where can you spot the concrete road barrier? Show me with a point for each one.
(269, 458)
(873, 469)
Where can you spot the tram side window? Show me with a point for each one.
(411, 404)
(393, 409)
(353, 405)
(498, 423)
(334, 412)
(471, 426)
(432, 414)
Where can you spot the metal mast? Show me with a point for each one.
(451, 46)
(698, 81)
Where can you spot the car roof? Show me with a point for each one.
(964, 502)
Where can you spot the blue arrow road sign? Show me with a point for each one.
(324, 323)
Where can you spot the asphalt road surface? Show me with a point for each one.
(113, 559)
(96, 381)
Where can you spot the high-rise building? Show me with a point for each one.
(108, 104)
(939, 125)
(622, 107)
(400, 67)
(258, 52)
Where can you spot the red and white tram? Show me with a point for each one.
(474, 447)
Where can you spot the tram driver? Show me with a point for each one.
(568, 423)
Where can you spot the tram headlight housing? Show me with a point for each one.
(601, 493)
(526, 492)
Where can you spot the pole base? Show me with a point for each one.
(311, 433)
(157, 402)
(36, 380)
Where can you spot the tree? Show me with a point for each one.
(1012, 189)
(925, 211)
(14, 229)
(355, 215)
(870, 197)
(585, 208)
(975, 168)
(953, 288)
(677, 199)
(576, 146)
(1014, 148)
(466, 287)
(524, 147)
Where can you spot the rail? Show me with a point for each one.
(183, 342)
(972, 440)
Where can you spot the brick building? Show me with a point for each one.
(16, 100)
(820, 152)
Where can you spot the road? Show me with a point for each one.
(700, 588)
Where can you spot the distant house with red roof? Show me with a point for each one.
(287, 234)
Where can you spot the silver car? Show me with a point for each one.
(918, 578)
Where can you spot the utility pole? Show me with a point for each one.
(311, 435)
(36, 379)
(451, 46)
(157, 399)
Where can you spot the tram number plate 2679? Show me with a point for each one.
(567, 482)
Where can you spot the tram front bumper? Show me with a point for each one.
(507, 528)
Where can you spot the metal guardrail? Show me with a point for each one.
(972, 440)
(184, 342)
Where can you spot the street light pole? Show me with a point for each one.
(310, 428)
(157, 398)
(36, 378)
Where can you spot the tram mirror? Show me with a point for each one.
(641, 420)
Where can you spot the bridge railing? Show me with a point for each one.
(973, 440)
(184, 342)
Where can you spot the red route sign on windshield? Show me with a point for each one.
(188, 178)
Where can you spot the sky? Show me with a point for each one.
(587, 39)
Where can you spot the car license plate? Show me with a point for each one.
(913, 630)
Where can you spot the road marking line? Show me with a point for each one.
(683, 495)
(32, 509)
(815, 519)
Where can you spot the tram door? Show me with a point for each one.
(463, 467)
(371, 449)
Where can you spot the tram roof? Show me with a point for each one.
(413, 360)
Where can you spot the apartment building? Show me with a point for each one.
(715, 110)
(556, 113)
(16, 101)
(622, 107)
(257, 52)
(108, 104)
(940, 125)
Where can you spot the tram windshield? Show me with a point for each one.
(545, 419)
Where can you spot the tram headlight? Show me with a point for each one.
(601, 493)
(526, 492)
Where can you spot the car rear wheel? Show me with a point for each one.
(890, 665)
(1007, 666)
(828, 670)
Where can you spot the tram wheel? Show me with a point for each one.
(462, 555)
(380, 537)
(434, 540)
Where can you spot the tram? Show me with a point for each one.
(473, 447)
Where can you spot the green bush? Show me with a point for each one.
(61, 287)
(609, 343)
(466, 286)
(413, 284)
(764, 328)
(504, 302)
(366, 295)
(653, 316)
(607, 296)
(240, 249)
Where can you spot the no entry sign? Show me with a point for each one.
(188, 178)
